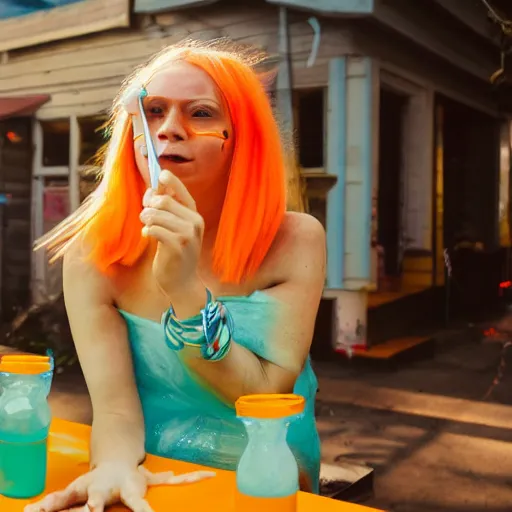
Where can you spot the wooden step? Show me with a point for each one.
(346, 481)
(391, 348)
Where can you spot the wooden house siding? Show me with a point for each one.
(72, 20)
(82, 76)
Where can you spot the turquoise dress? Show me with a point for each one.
(185, 420)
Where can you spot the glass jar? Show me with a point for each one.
(25, 418)
(267, 475)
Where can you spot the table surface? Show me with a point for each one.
(68, 455)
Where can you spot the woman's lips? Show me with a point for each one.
(174, 158)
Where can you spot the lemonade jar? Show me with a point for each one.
(24, 425)
(267, 476)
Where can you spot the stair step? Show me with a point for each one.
(391, 348)
(346, 481)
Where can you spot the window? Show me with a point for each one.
(56, 143)
(92, 138)
(310, 127)
(88, 182)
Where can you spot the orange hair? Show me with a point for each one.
(255, 201)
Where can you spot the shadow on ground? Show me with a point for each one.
(424, 426)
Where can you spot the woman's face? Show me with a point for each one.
(187, 118)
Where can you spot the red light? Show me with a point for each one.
(13, 137)
(505, 284)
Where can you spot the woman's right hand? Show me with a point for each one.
(112, 483)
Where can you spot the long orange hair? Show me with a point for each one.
(255, 201)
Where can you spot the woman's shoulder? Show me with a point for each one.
(301, 231)
(81, 272)
(299, 246)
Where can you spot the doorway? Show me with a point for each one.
(390, 194)
(469, 220)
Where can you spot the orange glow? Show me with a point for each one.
(13, 137)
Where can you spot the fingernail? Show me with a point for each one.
(165, 177)
(145, 231)
(144, 215)
(147, 197)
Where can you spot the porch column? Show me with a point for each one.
(74, 163)
(351, 139)
(417, 190)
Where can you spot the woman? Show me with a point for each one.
(188, 225)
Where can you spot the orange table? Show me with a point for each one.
(68, 459)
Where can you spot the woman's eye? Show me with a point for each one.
(156, 111)
(201, 113)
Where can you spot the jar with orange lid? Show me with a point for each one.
(267, 475)
(25, 418)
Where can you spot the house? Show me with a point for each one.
(403, 140)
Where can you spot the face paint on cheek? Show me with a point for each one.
(224, 135)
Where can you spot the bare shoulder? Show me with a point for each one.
(82, 278)
(301, 229)
(299, 251)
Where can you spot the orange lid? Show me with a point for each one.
(25, 367)
(269, 406)
(30, 358)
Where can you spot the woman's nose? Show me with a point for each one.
(172, 129)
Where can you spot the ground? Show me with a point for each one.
(435, 442)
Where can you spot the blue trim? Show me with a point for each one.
(326, 7)
(367, 170)
(336, 163)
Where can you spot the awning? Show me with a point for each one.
(16, 106)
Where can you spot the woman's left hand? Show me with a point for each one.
(170, 216)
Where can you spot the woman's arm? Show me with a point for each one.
(301, 261)
(100, 337)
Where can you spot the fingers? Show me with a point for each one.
(171, 204)
(98, 499)
(58, 501)
(134, 502)
(169, 478)
(167, 213)
(189, 478)
(154, 217)
(169, 184)
(168, 238)
(147, 197)
(158, 478)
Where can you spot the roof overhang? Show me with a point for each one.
(21, 106)
(324, 7)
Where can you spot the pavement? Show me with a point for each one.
(426, 427)
(437, 442)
